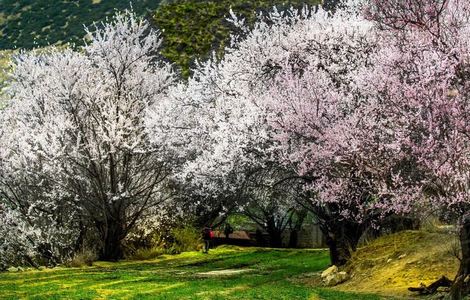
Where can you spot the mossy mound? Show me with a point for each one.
(391, 264)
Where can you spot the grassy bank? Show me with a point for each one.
(391, 264)
(225, 273)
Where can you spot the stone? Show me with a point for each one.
(12, 269)
(335, 278)
(443, 289)
(467, 279)
(331, 270)
(342, 276)
(332, 276)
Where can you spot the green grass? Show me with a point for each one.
(269, 274)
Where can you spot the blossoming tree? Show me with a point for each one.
(420, 77)
(284, 97)
(73, 140)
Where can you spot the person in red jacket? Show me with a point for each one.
(207, 235)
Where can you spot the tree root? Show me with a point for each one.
(432, 288)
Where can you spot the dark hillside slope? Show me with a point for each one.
(38, 23)
(194, 28)
(191, 28)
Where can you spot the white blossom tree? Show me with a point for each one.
(73, 134)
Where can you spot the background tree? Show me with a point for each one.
(270, 201)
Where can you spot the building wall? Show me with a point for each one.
(309, 237)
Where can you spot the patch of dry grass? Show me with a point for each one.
(391, 264)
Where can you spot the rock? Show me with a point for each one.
(335, 278)
(13, 269)
(331, 270)
(342, 276)
(389, 260)
(467, 279)
(443, 289)
(332, 276)
(402, 256)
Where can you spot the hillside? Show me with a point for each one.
(391, 264)
(191, 28)
(37, 23)
(5, 65)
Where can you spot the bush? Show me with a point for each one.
(147, 246)
(147, 253)
(85, 257)
(184, 239)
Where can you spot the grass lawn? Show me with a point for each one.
(224, 273)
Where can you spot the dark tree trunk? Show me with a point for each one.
(461, 286)
(259, 238)
(295, 226)
(112, 236)
(275, 239)
(342, 240)
(293, 238)
(330, 5)
(275, 234)
(79, 243)
(335, 257)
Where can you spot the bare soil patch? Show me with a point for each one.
(225, 272)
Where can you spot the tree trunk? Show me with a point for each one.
(335, 257)
(330, 5)
(341, 239)
(112, 237)
(293, 238)
(275, 238)
(275, 234)
(461, 286)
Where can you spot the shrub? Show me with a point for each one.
(147, 253)
(184, 239)
(82, 258)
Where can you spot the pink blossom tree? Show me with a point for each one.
(420, 78)
(285, 96)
